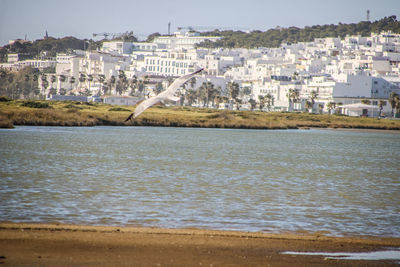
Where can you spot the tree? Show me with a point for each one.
(253, 104)
(366, 101)
(308, 105)
(381, 104)
(393, 99)
(90, 80)
(122, 83)
(152, 36)
(331, 106)
(293, 97)
(62, 78)
(159, 88)
(81, 79)
(101, 78)
(207, 91)
(233, 90)
(320, 108)
(71, 81)
(313, 96)
(262, 102)
(274, 37)
(45, 84)
(112, 81)
(190, 96)
(270, 101)
(192, 82)
(246, 90)
(53, 79)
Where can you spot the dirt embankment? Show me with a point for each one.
(67, 245)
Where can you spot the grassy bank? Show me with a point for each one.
(57, 113)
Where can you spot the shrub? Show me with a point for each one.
(119, 109)
(34, 104)
(5, 99)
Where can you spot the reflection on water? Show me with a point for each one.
(343, 182)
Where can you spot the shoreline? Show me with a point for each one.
(58, 113)
(66, 245)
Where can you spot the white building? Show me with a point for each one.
(182, 40)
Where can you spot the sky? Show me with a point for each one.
(82, 18)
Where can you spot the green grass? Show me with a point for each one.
(58, 113)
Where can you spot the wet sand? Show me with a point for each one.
(71, 245)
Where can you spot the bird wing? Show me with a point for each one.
(178, 82)
(167, 94)
(146, 104)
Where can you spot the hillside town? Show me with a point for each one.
(355, 75)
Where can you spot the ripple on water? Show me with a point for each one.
(317, 180)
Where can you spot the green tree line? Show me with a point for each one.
(52, 46)
(274, 37)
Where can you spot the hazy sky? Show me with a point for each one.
(81, 18)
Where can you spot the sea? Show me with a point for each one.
(336, 182)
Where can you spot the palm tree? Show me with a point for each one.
(90, 79)
(27, 86)
(81, 79)
(207, 91)
(101, 78)
(262, 102)
(309, 106)
(233, 91)
(238, 103)
(53, 79)
(45, 84)
(71, 81)
(331, 106)
(381, 104)
(392, 101)
(253, 104)
(320, 108)
(159, 88)
(313, 96)
(35, 79)
(217, 100)
(112, 83)
(190, 96)
(62, 78)
(270, 101)
(122, 82)
(293, 96)
(10, 79)
(192, 82)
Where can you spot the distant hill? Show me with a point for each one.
(274, 37)
(231, 39)
(51, 46)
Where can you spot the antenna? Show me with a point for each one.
(169, 28)
(367, 14)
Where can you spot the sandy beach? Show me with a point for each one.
(71, 245)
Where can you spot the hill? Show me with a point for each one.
(274, 37)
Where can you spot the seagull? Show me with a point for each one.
(168, 94)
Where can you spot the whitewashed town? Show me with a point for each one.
(355, 76)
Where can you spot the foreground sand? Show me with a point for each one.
(69, 245)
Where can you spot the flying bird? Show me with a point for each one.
(168, 94)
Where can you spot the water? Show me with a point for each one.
(371, 256)
(340, 182)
